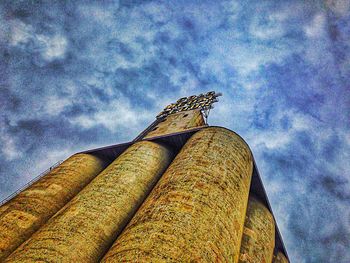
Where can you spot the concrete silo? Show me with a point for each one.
(85, 228)
(258, 241)
(196, 212)
(21, 216)
(178, 192)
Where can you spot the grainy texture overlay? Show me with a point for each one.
(196, 211)
(84, 229)
(82, 73)
(178, 122)
(280, 258)
(258, 239)
(30, 209)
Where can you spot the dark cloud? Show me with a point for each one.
(80, 74)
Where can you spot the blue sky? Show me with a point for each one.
(75, 75)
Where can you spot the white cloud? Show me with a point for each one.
(119, 114)
(271, 139)
(244, 57)
(275, 137)
(316, 28)
(55, 105)
(52, 47)
(21, 33)
(300, 121)
(183, 79)
(8, 147)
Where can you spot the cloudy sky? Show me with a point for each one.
(75, 75)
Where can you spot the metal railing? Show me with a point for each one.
(8, 198)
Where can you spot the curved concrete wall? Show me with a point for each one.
(258, 239)
(24, 214)
(84, 229)
(196, 211)
(280, 258)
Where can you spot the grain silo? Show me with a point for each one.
(181, 191)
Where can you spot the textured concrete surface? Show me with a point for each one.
(258, 239)
(85, 228)
(178, 122)
(30, 209)
(280, 258)
(196, 211)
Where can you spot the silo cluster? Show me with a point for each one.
(153, 203)
(30, 209)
